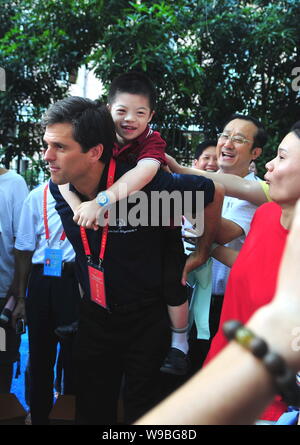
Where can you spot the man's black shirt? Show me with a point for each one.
(133, 256)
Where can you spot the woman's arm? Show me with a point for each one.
(232, 389)
(235, 387)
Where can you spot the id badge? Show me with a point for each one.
(53, 262)
(97, 287)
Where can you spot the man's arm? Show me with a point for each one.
(19, 197)
(235, 186)
(225, 255)
(213, 195)
(227, 231)
(212, 216)
(22, 271)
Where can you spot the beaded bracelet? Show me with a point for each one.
(285, 379)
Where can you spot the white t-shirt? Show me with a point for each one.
(31, 233)
(241, 212)
(13, 191)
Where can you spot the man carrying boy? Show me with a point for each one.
(123, 331)
(131, 101)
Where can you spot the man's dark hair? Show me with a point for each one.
(296, 129)
(261, 136)
(203, 146)
(133, 83)
(91, 121)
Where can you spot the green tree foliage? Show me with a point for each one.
(252, 49)
(41, 45)
(208, 59)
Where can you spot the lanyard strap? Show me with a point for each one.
(63, 235)
(84, 239)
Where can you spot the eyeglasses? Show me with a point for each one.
(235, 139)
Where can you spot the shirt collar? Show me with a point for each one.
(139, 140)
(101, 185)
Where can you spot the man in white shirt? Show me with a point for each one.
(240, 143)
(13, 190)
(45, 260)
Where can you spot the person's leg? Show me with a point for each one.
(215, 313)
(42, 352)
(176, 297)
(98, 365)
(65, 299)
(9, 355)
(179, 316)
(65, 366)
(199, 348)
(42, 347)
(27, 382)
(148, 343)
(97, 392)
(6, 374)
(197, 352)
(58, 383)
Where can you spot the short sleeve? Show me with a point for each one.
(266, 189)
(153, 147)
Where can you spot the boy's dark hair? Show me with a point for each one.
(296, 129)
(134, 83)
(203, 146)
(91, 121)
(261, 136)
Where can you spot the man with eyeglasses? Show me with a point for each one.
(240, 143)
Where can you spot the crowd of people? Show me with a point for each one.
(128, 301)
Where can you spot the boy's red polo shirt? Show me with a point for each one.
(148, 145)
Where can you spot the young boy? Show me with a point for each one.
(131, 102)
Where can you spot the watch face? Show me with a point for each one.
(102, 199)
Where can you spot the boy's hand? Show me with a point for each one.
(87, 214)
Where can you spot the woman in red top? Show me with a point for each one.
(253, 277)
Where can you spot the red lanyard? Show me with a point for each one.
(63, 235)
(84, 239)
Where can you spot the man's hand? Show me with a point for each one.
(19, 312)
(193, 261)
(190, 236)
